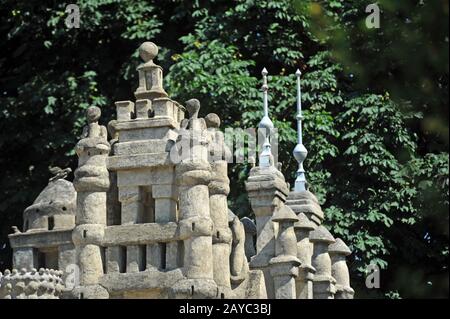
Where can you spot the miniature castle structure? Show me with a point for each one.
(147, 215)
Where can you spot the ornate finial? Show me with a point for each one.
(212, 120)
(148, 51)
(193, 106)
(265, 158)
(93, 114)
(300, 151)
(265, 123)
(150, 74)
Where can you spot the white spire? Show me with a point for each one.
(267, 125)
(300, 151)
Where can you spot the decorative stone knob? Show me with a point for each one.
(148, 51)
(212, 120)
(93, 114)
(193, 106)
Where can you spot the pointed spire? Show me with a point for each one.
(266, 124)
(300, 151)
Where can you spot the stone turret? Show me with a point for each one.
(323, 282)
(267, 191)
(54, 208)
(284, 266)
(304, 284)
(339, 269)
(219, 188)
(46, 240)
(196, 226)
(315, 279)
(91, 183)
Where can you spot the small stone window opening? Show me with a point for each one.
(41, 260)
(142, 257)
(51, 223)
(163, 255)
(122, 259)
(148, 205)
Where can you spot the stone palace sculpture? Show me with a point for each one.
(145, 219)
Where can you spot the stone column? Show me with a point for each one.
(339, 270)
(165, 203)
(304, 284)
(91, 183)
(196, 228)
(219, 188)
(132, 206)
(323, 282)
(267, 191)
(218, 192)
(193, 175)
(284, 265)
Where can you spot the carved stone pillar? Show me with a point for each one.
(304, 284)
(323, 282)
(339, 269)
(267, 191)
(218, 192)
(284, 265)
(219, 188)
(91, 183)
(193, 176)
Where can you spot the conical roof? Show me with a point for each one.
(284, 213)
(304, 222)
(339, 247)
(321, 234)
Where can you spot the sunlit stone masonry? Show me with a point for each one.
(147, 214)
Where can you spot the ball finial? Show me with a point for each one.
(193, 106)
(93, 114)
(212, 120)
(148, 51)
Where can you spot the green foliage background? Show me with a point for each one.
(376, 107)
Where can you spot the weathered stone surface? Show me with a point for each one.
(339, 270)
(58, 198)
(250, 234)
(33, 284)
(147, 215)
(307, 203)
